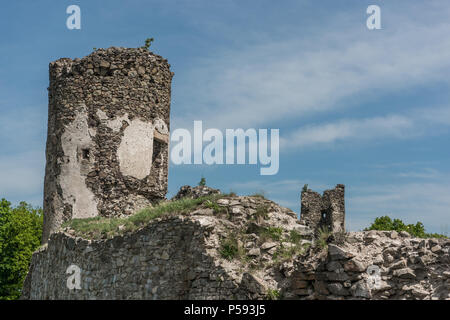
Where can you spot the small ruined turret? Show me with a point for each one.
(327, 210)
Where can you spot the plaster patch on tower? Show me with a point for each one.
(136, 149)
(76, 143)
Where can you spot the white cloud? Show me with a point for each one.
(416, 123)
(284, 79)
(356, 129)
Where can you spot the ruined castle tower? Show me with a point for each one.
(108, 135)
(328, 211)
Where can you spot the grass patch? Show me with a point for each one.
(262, 212)
(273, 294)
(230, 249)
(101, 227)
(284, 253)
(212, 204)
(322, 239)
(266, 233)
(295, 237)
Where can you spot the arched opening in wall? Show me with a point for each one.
(325, 219)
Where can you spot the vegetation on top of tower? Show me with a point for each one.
(202, 182)
(148, 43)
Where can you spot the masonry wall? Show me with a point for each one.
(172, 258)
(166, 260)
(177, 258)
(108, 129)
(377, 265)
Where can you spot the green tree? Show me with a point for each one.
(20, 235)
(416, 230)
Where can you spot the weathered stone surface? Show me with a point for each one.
(197, 192)
(255, 252)
(337, 253)
(338, 289)
(399, 264)
(355, 265)
(405, 273)
(404, 234)
(361, 289)
(253, 284)
(335, 266)
(436, 249)
(334, 276)
(268, 245)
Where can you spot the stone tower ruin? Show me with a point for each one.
(108, 135)
(328, 211)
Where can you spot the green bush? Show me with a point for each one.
(387, 224)
(20, 236)
(202, 182)
(273, 294)
(148, 43)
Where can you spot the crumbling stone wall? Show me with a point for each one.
(166, 260)
(328, 211)
(377, 265)
(177, 257)
(108, 134)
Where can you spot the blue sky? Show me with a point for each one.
(370, 109)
